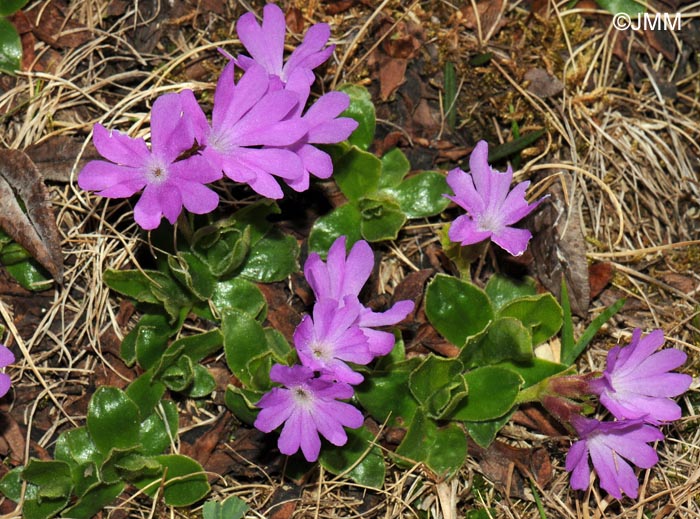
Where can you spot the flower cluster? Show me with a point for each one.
(636, 387)
(259, 132)
(492, 207)
(6, 358)
(340, 330)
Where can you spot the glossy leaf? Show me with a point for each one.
(421, 195)
(443, 450)
(159, 430)
(29, 275)
(145, 393)
(10, 47)
(36, 507)
(457, 309)
(504, 339)
(437, 383)
(75, 446)
(242, 403)
(185, 481)
(8, 7)
(134, 283)
(233, 507)
(94, 500)
(150, 333)
(395, 167)
(381, 219)
(203, 383)
(365, 458)
(179, 376)
(483, 433)
(11, 484)
(273, 258)
(51, 477)
(239, 293)
(492, 392)
(362, 110)
(226, 254)
(244, 339)
(385, 394)
(534, 371)
(629, 7)
(278, 345)
(357, 173)
(193, 273)
(343, 221)
(541, 314)
(503, 289)
(113, 420)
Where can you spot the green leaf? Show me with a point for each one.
(200, 346)
(365, 458)
(203, 383)
(180, 375)
(239, 293)
(156, 332)
(193, 273)
(242, 403)
(421, 195)
(437, 383)
(382, 219)
(226, 254)
(569, 357)
(159, 430)
(11, 484)
(233, 507)
(503, 289)
(442, 450)
(94, 500)
(515, 146)
(567, 330)
(385, 394)
(273, 258)
(145, 393)
(36, 507)
(629, 7)
(184, 481)
(113, 420)
(8, 7)
(134, 283)
(342, 221)
(541, 314)
(483, 433)
(244, 339)
(75, 446)
(534, 371)
(28, 274)
(457, 309)
(504, 339)
(52, 478)
(277, 345)
(171, 296)
(357, 173)
(395, 167)
(10, 46)
(492, 392)
(362, 110)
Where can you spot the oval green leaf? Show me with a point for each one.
(10, 47)
(357, 173)
(362, 110)
(365, 458)
(457, 309)
(541, 314)
(492, 392)
(113, 420)
(421, 195)
(342, 221)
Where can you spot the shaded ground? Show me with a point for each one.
(619, 157)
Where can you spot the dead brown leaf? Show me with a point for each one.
(36, 230)
(543, 84)
(55, 156)
(53, 27)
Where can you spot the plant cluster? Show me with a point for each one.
(344, 364)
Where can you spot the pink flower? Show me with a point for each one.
(610, 446)
(492, 208)
(307, 406)
(245, 117)
(167, 183)
(6, 358)
(339, 278)
(332, 338)
(637, 382)
(266, 46)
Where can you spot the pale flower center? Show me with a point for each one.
(320, 351)
(156, 173)
(302, 396)
(490, 222)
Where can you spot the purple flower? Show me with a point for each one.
(492, 208)
(609, 445)
(266, 46)
(307, 406)
(331, 338)
(636, 382)
(6, 358)
(324, 127)
(246, 116)
(167, 183)
(340, 277)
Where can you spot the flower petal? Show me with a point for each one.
(111, 180)
(512, 239)
(119, 147)
(464, 230)
(265, 44)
